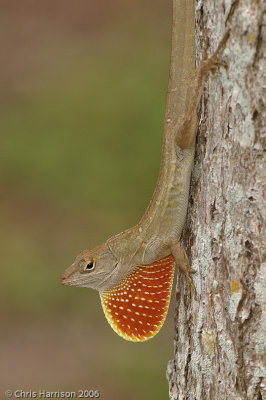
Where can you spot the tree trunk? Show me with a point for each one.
(219, 339)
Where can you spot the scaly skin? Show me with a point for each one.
(157, 235)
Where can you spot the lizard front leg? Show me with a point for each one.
(181, 260)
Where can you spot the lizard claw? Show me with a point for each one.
(216, 64)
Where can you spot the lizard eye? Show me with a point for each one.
(90, 266)
(87, 267)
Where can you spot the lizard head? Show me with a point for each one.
(91, 268)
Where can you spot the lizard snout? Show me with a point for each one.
(68, 275)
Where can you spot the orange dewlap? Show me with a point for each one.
(136, 309)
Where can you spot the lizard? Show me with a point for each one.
(134, 270)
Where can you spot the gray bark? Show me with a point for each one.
(219, 344)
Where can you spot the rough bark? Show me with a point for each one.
(220, 337)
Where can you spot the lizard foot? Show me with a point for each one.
(188, 271)
(185, 135)
(211, 64)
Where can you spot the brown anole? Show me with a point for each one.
(133, 271)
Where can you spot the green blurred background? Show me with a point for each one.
(83, 87)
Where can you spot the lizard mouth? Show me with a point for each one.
(70, 282)
(68, 278)
(65, 281)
